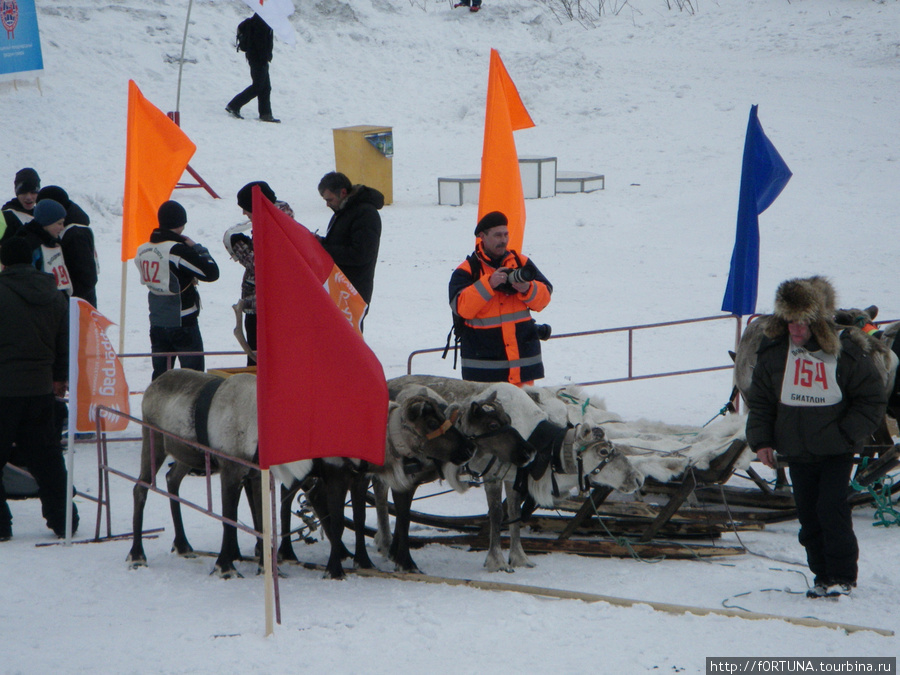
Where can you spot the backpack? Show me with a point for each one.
(459, 323)
(242, 38)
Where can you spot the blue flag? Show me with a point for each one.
(763, 176)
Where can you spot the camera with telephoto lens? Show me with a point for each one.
(520, 275)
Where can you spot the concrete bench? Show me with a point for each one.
(459, 190)
(538, 181)
(579, 181)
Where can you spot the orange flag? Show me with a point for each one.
(501, 183)
(157, 153)
(320, 391)
(96, 376)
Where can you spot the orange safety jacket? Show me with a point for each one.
(499, 341)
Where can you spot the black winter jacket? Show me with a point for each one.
(37, 236)
(802, 433)
(261, 41)
(353, 237)
(188, 264)
(77, 243)
(34, 332)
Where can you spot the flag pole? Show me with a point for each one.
(267, 551)
(123, 288)
(73, 408)
(187, 22)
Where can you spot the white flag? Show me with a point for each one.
(276, 13)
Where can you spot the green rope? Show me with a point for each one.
(623, 541)
(576, 401)
(885, 513)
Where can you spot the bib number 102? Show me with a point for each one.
(807, 372)
(150, 271)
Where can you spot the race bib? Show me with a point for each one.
(152, 261)
(55, 264)
(810, 379)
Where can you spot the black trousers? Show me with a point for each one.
(261, 89)
(250, 334)
(826, 522)
(180, 339)
(29, 422)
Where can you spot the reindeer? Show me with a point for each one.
(420, 434)
(486, 423)
(173, 403)
(559, 450)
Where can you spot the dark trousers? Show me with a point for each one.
(29, 422)
(250, 334)
(826, 522)
(261, 89)
(180, 339)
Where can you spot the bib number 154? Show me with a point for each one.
(807, 372)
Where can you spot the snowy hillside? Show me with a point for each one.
(654, 98)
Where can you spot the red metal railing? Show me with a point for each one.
(630, 331)
(104, 470)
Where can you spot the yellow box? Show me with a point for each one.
(359, 159)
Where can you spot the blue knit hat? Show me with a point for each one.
(48, 211)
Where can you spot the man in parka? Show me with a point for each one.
(816, 397)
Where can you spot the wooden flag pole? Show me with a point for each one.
(267, 552)
(123, 289)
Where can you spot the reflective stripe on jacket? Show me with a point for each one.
(499, 342)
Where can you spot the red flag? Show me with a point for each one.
(96, 376)
(157, 153)
(501, 182)
(321, 391)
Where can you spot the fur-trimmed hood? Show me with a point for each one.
(810, 300)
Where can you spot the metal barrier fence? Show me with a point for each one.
(171, 356)
(105, 469)
(630, 331)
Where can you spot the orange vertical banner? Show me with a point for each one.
(96, 376)
(501, 182)
(156, 155)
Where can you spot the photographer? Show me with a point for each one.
(493, 291)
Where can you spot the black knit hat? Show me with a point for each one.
(55, 193)
(171, 215)
(245, 195)
(490, 220)
(27, 180)
(15, 251)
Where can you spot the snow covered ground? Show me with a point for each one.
(656, 99)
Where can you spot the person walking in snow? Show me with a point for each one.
(256, 40)
(815, 398)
